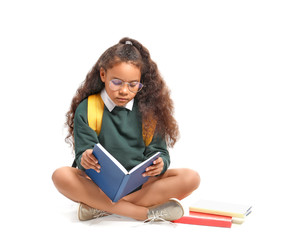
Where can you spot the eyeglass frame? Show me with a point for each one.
(123, 83)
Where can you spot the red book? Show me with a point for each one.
(206, 219)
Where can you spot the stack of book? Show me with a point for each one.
(218, 214)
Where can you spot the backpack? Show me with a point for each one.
(95, 109)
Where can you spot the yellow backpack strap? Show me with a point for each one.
(147, 137)
(95, 109)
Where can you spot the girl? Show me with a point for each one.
(136, 104)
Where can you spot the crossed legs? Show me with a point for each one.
(174, 183)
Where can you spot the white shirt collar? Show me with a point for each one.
(111, 105)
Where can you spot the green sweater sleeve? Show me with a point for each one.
(84, 137)
(158, 144)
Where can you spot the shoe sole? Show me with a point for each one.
(179, 203)
(78, 212)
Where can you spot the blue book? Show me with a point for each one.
(114, 180)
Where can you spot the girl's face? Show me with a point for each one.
(129, 75)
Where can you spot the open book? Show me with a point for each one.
(114, 180)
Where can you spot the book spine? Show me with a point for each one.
(206, 220)
(121, 188)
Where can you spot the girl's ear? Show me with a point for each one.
(103, 74)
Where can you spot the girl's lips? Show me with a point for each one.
(122, 99)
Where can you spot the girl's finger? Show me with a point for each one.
(157, 161)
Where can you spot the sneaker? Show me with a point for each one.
(87, 213)
(169, 211)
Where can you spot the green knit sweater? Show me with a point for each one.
(121, 135)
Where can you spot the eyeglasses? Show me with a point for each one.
(117, 84)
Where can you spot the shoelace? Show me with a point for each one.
(156, 216)
(98, 213)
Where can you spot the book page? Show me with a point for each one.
(114, 160)
(152, 158)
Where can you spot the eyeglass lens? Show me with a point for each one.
(116, 84)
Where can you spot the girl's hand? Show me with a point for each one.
(154, 169)
(88, 160)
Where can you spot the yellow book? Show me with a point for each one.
(221, 208)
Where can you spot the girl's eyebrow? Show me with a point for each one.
(124, 80)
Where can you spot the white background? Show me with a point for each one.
(224, 63)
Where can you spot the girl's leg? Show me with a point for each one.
(74, 184)
(174, 183)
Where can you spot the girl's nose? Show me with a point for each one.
(124, 89)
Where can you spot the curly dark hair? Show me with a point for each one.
(153, 100)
